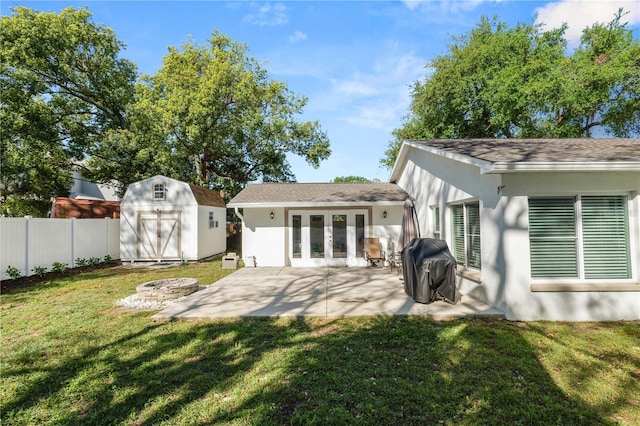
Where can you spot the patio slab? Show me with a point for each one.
(314, 292)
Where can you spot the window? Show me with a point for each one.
(465, 219)
(435, 211)
(359, 235)
(584, 237)
(159, 191)
(212, 223)
(297, 236)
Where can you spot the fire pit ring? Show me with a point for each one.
(166, 289)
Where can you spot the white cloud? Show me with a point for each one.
(268, 14)
(579, 14)
(297, 36)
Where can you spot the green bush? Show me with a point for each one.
(13, 272)
(59, 267)
(39, 271)
(80, 263)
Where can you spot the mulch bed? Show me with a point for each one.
(9, 285)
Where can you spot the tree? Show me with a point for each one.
(63, 89)
(216, 119)
(350, 179)
(500, 82)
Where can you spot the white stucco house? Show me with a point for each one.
(541, 228)
(317, 224)
(167, 219)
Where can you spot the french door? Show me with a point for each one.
(327, 237)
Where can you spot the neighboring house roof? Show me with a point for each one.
(64, 207)
(505, 155)
(317, 194)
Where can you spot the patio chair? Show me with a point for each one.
(372, 253)
(393, 258)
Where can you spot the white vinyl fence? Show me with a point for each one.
(27, 243)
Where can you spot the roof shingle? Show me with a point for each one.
(319, 193)
(541, 150)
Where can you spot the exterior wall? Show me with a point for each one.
(525, 304)
(264, 237)
(26, 243)
(388, 230)
(436, 181)
(506, 270)
(211, 241)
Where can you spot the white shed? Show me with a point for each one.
(166, 219)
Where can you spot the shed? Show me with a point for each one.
(167, 219)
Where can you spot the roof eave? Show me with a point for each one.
(613, 166)
(404, 153)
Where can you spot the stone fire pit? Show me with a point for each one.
(170, 288)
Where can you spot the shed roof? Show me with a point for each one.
(509, 155)
(310, 194)
(207, 197)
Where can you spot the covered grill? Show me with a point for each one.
(429, 271)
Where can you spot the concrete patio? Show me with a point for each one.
(315, 292)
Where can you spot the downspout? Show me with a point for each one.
(237, 213)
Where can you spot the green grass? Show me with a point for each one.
(70, 357)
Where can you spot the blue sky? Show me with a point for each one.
(354, 60)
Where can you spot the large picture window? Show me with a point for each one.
(584, 237)
(465, 220)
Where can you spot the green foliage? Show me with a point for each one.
(108, 259)
(350, 179)
(93, 261)
(63, 89)
(212, 116)
(500, 82)
(40, 271)
(59, 267)
(80, 263)
(13, 272)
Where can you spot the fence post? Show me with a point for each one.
(108, 227)
(73, 261)
(26, 245)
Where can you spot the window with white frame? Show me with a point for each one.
(159, 191)
(212, 223)
(583, 237)
(435, 222)
(465, 221)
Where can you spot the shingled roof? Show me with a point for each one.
(314, 194)
(541, 150)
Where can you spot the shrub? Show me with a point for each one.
(108, 259)
(13, 272)
(81, 262)
(39, 271)
(59, 267)
(93, 261)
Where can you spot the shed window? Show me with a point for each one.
(584, 237)
(159, 191)
(212, 223)
(465, 219)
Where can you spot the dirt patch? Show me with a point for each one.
(9, 285)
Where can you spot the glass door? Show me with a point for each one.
(326, 237)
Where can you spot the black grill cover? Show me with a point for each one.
(429, 271)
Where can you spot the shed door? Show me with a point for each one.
(159, 235)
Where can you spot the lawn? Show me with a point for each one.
(70, 357)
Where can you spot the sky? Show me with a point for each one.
(355, 61)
